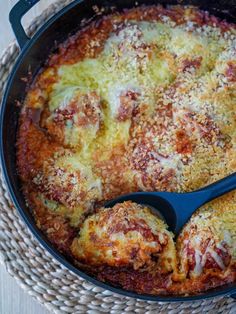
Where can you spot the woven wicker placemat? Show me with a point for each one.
(48, 281)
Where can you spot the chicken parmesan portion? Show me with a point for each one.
(207, 243)
(127, 234)
(74, 117)
(67, 181)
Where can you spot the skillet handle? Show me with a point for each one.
(15, 16)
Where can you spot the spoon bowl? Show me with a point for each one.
(177, 208)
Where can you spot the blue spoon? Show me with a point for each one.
(177, 208)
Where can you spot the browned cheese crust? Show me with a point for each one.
(141, 100)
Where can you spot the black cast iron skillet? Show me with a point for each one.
(33, 54)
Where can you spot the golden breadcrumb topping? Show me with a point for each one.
(141, 100)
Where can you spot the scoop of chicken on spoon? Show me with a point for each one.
(177, 208)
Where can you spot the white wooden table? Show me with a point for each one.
(13, 300)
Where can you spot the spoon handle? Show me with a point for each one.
(221, 187)
(186, 204)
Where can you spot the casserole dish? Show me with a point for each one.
(31, 56)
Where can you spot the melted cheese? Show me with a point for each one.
(174, 78)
